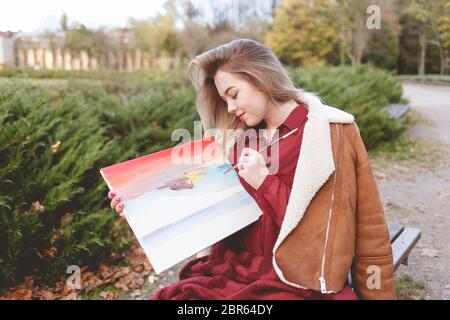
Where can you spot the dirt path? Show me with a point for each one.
(415, 192)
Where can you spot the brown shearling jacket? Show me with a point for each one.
(334, 222)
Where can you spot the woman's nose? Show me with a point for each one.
(231, 107)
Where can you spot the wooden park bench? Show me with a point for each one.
(403, 240)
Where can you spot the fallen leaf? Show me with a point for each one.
(122, 285)
(66, 291)
(71, 296)
(45, 294)
(108, 295)
(92, 283)
(136, 280)
(147, 266)
(51, 252)
(105, 271)
(138, 268)
(132, 280)
(37, 207)
(136, 256)
(152, 279)
(55, 147)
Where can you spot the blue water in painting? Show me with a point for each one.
(214, 180)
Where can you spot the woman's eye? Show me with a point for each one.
(233, 97)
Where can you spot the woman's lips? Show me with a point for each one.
(241, 117)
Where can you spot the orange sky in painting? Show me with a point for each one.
(122, 174)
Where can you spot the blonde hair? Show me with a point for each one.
(253, 62)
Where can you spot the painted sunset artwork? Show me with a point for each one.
(179, 201)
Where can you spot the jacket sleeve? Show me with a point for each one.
(373, 270)
(273, 194)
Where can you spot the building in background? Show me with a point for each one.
(18, 50)
(7, 56)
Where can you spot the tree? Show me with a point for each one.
(440, 26)
(193, 38)
(408, 59)
(383, 48)
(81, 38)
(354, 35)
(433, 18)
(154, 36)
(64, 23)
(303, 32)
(419, 10)
(444, 25)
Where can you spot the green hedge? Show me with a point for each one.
(94, 129)
(53, 206)
(362, 91)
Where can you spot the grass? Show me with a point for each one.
(399, 211)
(393, 156)
(94, 294)
(409, 289)
(401, 149)
(417, 118)
(404, 155)
(432, 78)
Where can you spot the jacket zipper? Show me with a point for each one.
(323, 287)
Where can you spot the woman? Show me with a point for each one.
(322, 213)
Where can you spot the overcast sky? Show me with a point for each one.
(36, 15)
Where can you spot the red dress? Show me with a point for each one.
(240, 266)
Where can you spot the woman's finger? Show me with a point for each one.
(114, 202)
(246, 152)
(242, 172)
(111, 194)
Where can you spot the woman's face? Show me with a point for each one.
(243, 100)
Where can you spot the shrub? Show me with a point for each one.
(362, 91)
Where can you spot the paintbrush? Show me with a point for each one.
(275, 141)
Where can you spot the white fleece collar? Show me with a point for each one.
(315, 165)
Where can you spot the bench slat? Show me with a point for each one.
(394, 231)
(403, 245)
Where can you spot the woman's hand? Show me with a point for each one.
(252, 167)
(116, 204)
